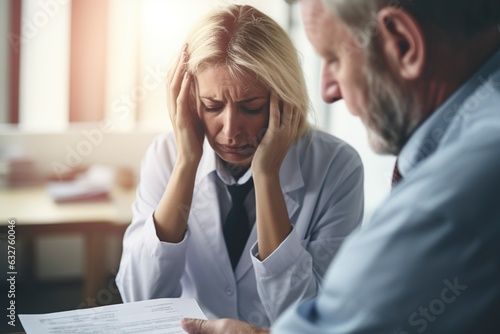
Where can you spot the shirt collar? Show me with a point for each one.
(208, 162)
(211, 164)
(429, 135)
(290, 172)
(226, 176)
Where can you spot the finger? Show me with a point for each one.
(294, 127)
(173, 68)
(176, 82)
(287, 117)
(183, 97)
(194, 326)
(274, 112)
(296, 124)
(173, 89)
(175, 64)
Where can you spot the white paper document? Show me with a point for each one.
(150, 316)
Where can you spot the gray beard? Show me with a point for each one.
(394, 111)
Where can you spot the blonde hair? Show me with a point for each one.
(248, 42)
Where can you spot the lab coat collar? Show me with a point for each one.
(207, 164)
(291, 174)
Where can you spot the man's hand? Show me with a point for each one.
(220, 326)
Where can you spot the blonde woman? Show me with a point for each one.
(244, 205)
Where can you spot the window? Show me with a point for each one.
(10, 16)
(97, 60)
(67, 62)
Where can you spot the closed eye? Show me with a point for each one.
(212, 109)
(253, 108)
(252, 111)
(245, 109)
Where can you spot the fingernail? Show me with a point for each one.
(184, 47)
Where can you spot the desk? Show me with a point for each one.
(37, 214)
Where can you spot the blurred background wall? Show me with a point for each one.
(4, 64)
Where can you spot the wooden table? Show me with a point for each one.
(37, 214)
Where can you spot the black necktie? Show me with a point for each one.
(237, 227)
(396, 176)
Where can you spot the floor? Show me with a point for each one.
(34, 297)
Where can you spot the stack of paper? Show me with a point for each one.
(156, 316)
(93, 185)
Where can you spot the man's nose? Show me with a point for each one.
(330, 89)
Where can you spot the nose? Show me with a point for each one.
(232, 123)
(330, 89)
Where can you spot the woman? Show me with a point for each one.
(238, 83)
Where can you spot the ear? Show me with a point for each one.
(402, 42)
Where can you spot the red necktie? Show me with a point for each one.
(396, 177)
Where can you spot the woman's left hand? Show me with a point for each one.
(279, 136)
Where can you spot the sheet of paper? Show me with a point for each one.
(149, 316)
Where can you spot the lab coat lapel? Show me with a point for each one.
(290, 180)
(245, 262)
(205, 213)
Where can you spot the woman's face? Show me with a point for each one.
(235, 114)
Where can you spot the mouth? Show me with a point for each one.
(237, 149)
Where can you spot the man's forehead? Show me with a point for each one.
(321, 26)
(315, 10)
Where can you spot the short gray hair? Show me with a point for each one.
(459, 18)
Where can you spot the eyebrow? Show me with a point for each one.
(241, 101)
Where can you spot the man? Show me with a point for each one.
(424, 77)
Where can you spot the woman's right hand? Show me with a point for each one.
(188, 129)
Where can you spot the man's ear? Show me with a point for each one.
(402, 41)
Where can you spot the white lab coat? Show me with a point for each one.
(322, 182)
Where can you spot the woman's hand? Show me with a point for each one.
(279, 136)
(186, 123)
(273, 223)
